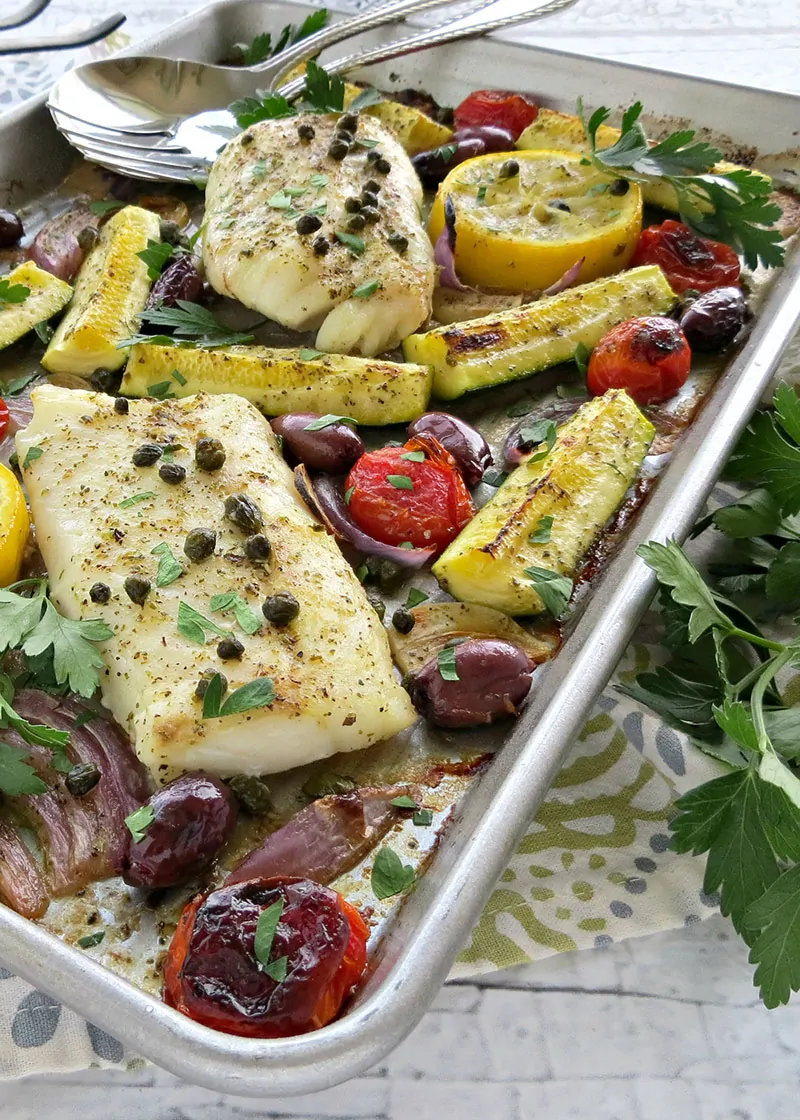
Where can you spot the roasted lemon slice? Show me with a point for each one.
(521, 222)
(14, 526)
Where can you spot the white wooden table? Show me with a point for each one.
(663, 1027)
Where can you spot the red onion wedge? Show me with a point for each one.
(321, 495)
(55, 247)
(21, 885)
(569, 278)
(327, 838)
(444, 250)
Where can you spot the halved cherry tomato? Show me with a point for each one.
(687, 260)
(498, 108)
(213, 976)
(649, 357)
(412, 493)
(3, 417)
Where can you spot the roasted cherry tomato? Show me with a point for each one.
(649, 357)
(498, 108)
(688, 261)
(212, 973)
(412, 493)
(3, 417)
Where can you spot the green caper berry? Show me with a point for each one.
(247, 139)
(338, 149)
(508, 170)
(200, 544)
(385, 573)
(244, 513)
(82, 778)
(403, 620)
(372, 186)
(376, 602)
(173, 473)
(369, 198)
(230, 649)
(348, 121)
(321, 246)
(280, 609)
(306, 132)
(352, 205)
(252, 794)
(206, 678)
(209, 454)
(147, 454)
(356, 223)
(99, 592)
(137, 588)
(308, 223)
(383, 165)
(122, 406)
(257, 547)
(371, 215)
(398, 242)
(87, 239)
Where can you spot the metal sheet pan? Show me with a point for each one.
(420, 944)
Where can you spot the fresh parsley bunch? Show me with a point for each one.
(732, 207)
(323, 93)
(722, 687)
(262, 47)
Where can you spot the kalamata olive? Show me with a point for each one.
(10, 229)
(493, 137)
(193, 816)
(332, 449)
(494, 677)
(179, 280)
(432, 166)
(465, 443)
(715, 318)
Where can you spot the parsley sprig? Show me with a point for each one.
(322, 93)
(262, 46)
(722, 687)
(733, 207)
(12, 293)
(192, 325)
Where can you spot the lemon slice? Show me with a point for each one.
(14, 527)
(521, 232)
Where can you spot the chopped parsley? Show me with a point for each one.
(389, 875)
(169, 569)
(355, 244)
(12, 293)
(326, 421)
(139, 821)
(400, 481)
(31, 455)
(134, 499)
(541, 534)
(259, 693)
(230, 601)
(415, 597)
(155, 256)
(161, 390)
(364, 291)
(446, 663)
(552, 588)
(91, 939)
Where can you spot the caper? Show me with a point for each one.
(147, 454)
(171, 233)
(373, 155)
(385, 573)
(308, 223)
(209, 454)
(230, 649)
(244, 513)
(619, 187)
(82, 778)
(398, 242)
(344, 135)
(99, 592)
(403, 620)
(372, 186)
(371, 215)
(257, 547)
(87, 239)
(105, 380)
(122, 405)
(320, 245)
(356, 223)
(352, 205)
(559, 204)
(306, 131)
(206, 678)
(173, 473)
(200, 544)
(137, 588)
(376, 602)
(327, 784)
(247, 139)
(383, 165)
(338, 149)
(252, 794)
(280, 609)
(348, 121)
(508, 170)
(369, 198)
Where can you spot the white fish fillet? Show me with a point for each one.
(253, 252)
(334, 682)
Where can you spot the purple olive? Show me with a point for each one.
(493, 137)
(332, 449)
(465, 443)
(432, 166)
(494, 677)
(10, 229)
(192, 818)
(715, 318)
(179, 280)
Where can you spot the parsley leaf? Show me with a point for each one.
(38, 734)
(245, 616)
(323, 93)
(415, 597)
(581, 358)
(139, 821)
(155, 256)
(31, 455)
(259, 693)
(446, 663)
(364, 291)
(17, 778)
(263, 107)
(169, 569)
(325, 422)
(19, 615)
(355, 244)
(265, 935)
(400, 481)
(193, 625)
(772, 925)
(544, 527)
(12, 293)
(193, 326)
(366, 98)
(91, 939)
(422, 817)
(554, 589)
(389, 875)
(75, 659)
(404, 802)
(764, 453)
(674, 568)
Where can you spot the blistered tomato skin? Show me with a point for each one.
(687, 260)
(332, 449)
(213, 976)
(494, 679)
(193, 817)
(649, 357)
(398, 499)
(465, 443)
(714, 319)
(498, 108)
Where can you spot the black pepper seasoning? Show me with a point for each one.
(403, 620)
(99, 592)
(280, 609)
(230, 649)
(122, 406)
(146, 455)
(137, 588)
(173, 473)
